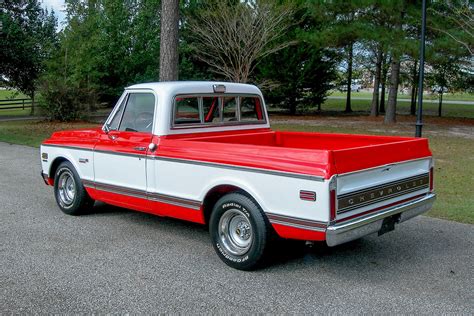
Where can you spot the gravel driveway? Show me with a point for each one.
(118, 261)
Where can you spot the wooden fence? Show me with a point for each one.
(10, 104)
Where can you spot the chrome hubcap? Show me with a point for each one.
(66, 188)
(235, 232)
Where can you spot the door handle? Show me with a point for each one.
(140, 148)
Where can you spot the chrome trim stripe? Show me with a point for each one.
(377, 187)
(252, 124)
(367, 196)
(296, 222)
(203, 163)
(88, 183)
(385, 198)
(174, 200)
(240, 168)
(317, 229)
(362, 226)
(120, 190)
(385, 166)
(68, 147)
(158, 197)
(109, 152)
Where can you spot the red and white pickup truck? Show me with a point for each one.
(204, 152)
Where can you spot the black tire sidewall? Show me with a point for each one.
(254, 256)
(76, 206)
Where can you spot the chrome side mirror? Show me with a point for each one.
(106, 128)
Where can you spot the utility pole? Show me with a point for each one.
(419, 116)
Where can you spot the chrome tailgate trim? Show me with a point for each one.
(340, 233)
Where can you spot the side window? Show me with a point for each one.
(138, 113)
(230, 109)
(114, 123)
(211, 107)
(187, 110)
(251, 109)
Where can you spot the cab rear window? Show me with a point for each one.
(208, 110)
(187, 111)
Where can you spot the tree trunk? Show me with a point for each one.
(374, 110)
(413, 88)
(390, 113)
(292, 106)
(383, 82)
(32, 104)
(440, 102)
(349, 79)
(169, 40)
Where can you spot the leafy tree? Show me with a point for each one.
(298, 76)
(27, 39)
(455, 19)
(341, 27)
(451, 45)
(107, 45)
(64, 101)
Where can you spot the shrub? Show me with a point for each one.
(64, 102)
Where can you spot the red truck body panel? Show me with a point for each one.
(317, 154)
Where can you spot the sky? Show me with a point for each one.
(58, 7)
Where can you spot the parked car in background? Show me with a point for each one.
(356, 86)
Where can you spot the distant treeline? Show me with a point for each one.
(295, 50)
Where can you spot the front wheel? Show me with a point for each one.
(239, 231)
(70, 194)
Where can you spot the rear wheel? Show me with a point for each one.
(239, 231)
(70, 194)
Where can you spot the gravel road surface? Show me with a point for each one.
(118, 261)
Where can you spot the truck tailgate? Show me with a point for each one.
(359, 158)
(373, 177)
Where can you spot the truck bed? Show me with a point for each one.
(317, 154)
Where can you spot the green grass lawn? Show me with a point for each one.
(9, 94)
(15, 112)
(363, 107)
(32, 133)
(454, 156)
(431, 96)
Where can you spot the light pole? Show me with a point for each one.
(419, 116)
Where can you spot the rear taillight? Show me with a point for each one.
(431, 179)
(332, 202)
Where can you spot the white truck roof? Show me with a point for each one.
(165, 93)
(183, 87)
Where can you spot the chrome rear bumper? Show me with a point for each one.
(343, 232)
